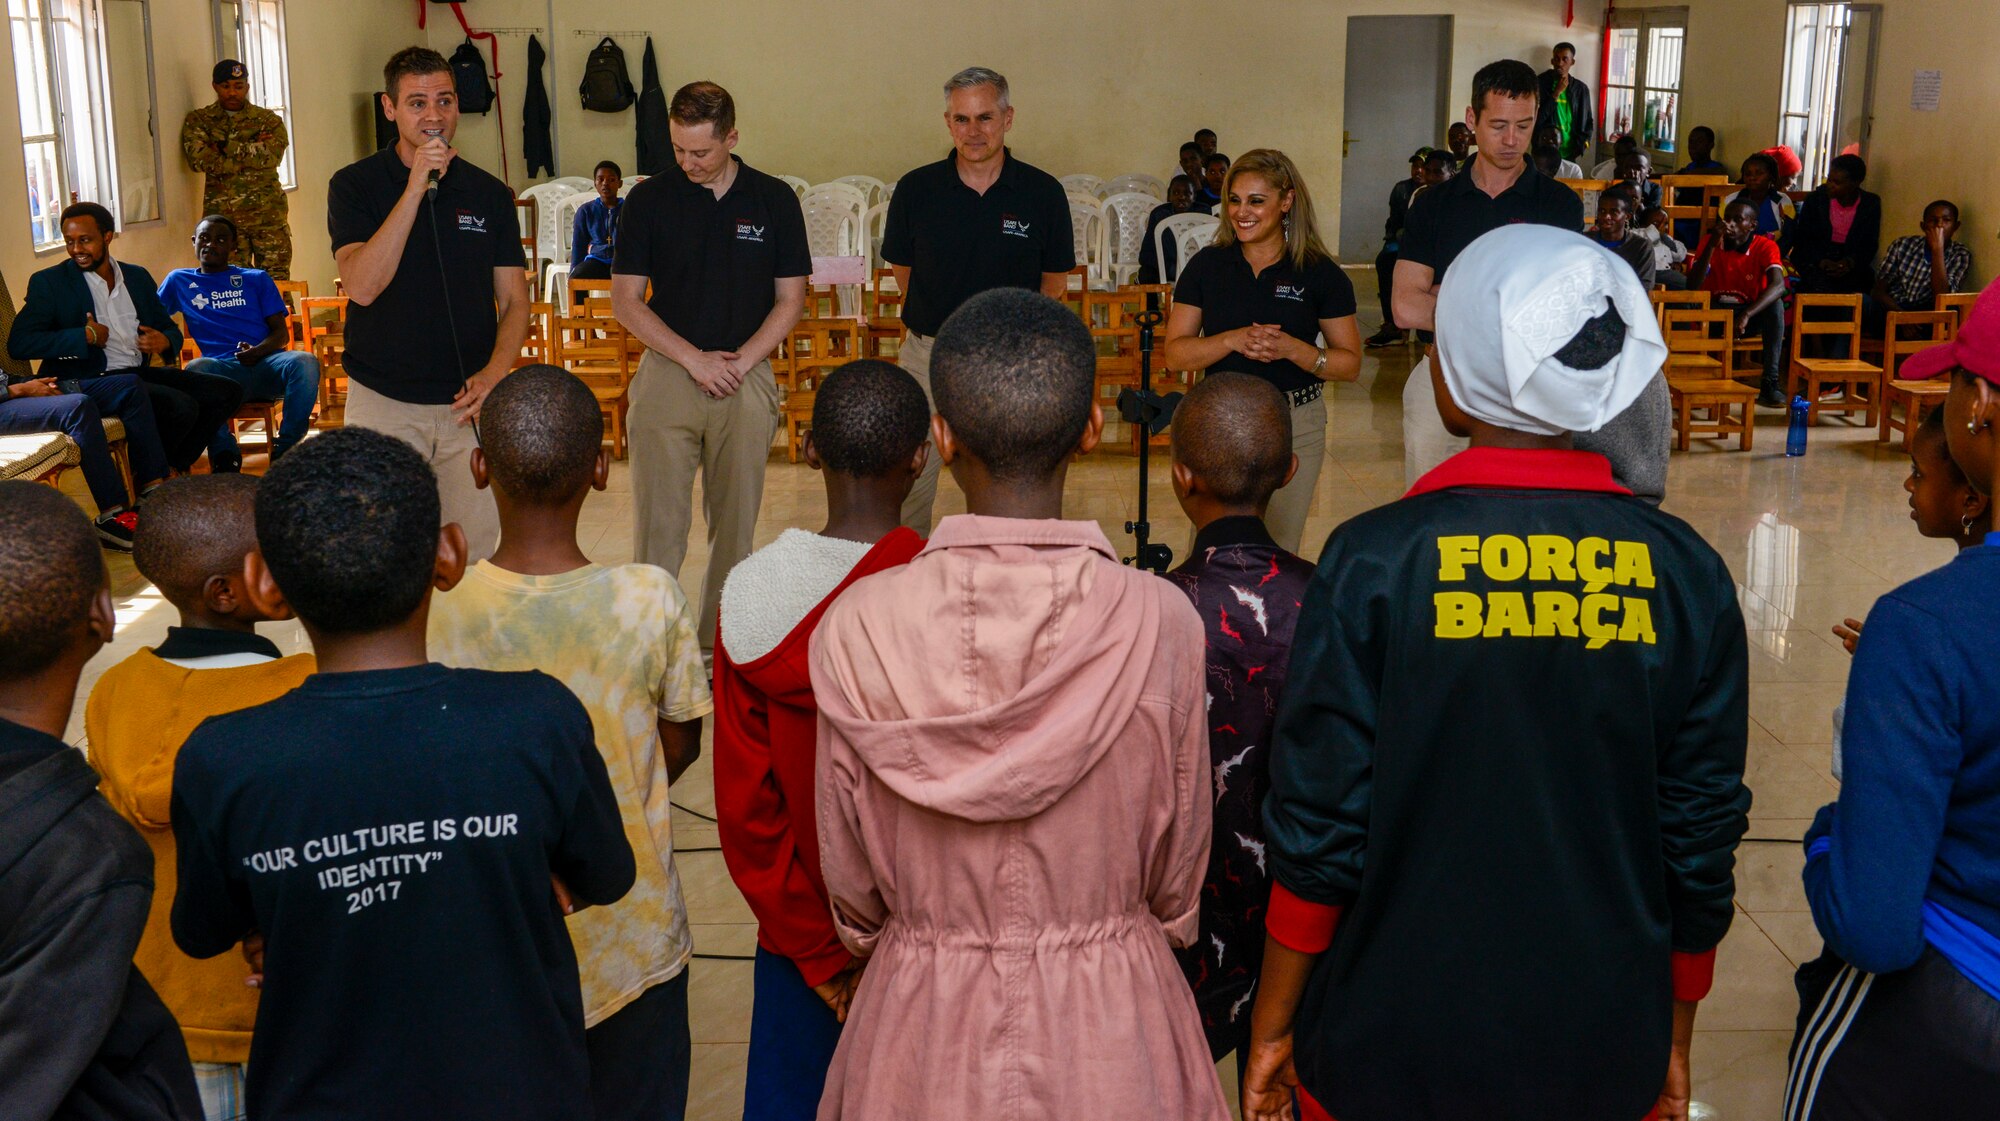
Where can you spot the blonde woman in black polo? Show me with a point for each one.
(1267, 299)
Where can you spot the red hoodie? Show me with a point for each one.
(766, 730)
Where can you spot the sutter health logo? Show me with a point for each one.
(220, 301)
(1012, 226)
(747, 232)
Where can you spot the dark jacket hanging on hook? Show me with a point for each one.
(656, 145)
(535, 139)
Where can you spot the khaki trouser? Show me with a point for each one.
(1286, 516)
(447, 446)
(674, 429)
(1426, 443)
(915, 358)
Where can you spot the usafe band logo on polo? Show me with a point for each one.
(1012, 226)
(1294, 292)
(467, 220)
(1591, 599)
(747, 232)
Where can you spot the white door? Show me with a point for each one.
(1397, 71)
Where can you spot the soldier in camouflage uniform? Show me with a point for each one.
(238, 147)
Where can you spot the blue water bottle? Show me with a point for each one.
(1795, 439)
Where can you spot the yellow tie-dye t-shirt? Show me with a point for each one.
(623, 639)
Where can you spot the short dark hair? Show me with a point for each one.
(1014, 373)
(1215, 157)
(541, 429)
(607, 165)
(703, 103)
(54, 571)
(1855, 167)
(1624, 193)
(1443, 158)
(1625, 142)
(220, 220)
(1201, 132)
(1234, 431)
(1190, 146)
(1188, 179)
(1729, 207)
(1770, 163)
(196, 527)
(1702, 128)
(348, 525)
(1509, 77)
(410, 62)
(96, 212)
(1947, 204)
(1561, 47)
(1546, 154)
(869, 417)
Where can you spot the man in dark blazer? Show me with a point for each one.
(1560, 90)
(90, 316)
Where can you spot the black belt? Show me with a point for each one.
(1307, 395)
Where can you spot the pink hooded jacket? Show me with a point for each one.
(1014, 823)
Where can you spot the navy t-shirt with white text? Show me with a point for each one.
(391, 833)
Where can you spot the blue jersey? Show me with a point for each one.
(223, 308)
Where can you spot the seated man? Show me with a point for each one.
(91, 315)
(1669, 253)
(1392, 237)
(1741, 268)
(1635, 170)
(77, 409)
(1701, 153)
(1214, 172)
(1920, 267)
(1614, 231)
(594, 235)
(1563, 168)
(1588, 831)
(1180, 200)
(1190, 161)
(240, 322)
(1608, 169)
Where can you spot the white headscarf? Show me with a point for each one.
(1514, 298)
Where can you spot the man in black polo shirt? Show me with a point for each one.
(724, 247)
(424, 268)
(977, 219)
(1499, 187)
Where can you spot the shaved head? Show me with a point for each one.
(196, 527)
(1234, 432)
(49, 552)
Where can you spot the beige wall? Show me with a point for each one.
(1736, 65)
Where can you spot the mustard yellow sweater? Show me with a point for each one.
(139, 714)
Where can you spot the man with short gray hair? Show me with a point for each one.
(977, 219)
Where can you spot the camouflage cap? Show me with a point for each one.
(228, 70)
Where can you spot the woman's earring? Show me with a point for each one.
(1966, 522)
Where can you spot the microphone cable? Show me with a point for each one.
(450, 317)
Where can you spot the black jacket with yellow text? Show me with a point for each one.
(1507, 792)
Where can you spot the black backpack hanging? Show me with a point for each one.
(606, 85)
(468, 73)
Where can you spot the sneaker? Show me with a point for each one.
(1772, 399)
(1387, 336)
(114, 531)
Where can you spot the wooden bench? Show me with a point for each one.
(1732, 406)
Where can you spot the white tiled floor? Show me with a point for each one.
(1809, 540)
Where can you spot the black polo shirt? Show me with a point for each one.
(401, 344)
(713, 261)
(1450, 216)
(1218, 280)
(958, 243)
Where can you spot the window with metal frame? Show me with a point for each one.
(253, 33)
(1642, 89)
(63, 92)
(1829, 78)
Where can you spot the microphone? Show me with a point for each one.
(431, 187)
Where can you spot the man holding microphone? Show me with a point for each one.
(427, 245)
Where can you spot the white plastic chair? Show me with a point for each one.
(1088, 184)
(548, 198)
(566, 224)
(573, 182)
(834, 213)
(1125, 215)
(626, 190)
(1083, 198)
(1188, 234)
(889, 190)
(870, 186)
(799, 186)
(1086, 224)
(1136, 181)
(874, 224)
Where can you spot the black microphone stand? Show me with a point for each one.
(1150, 413)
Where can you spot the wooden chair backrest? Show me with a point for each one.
(1693, 299)
(1957, 302)
(1926, 328)
(1699, 332)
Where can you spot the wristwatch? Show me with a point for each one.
(1320, 365)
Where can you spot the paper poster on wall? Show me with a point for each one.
(1926, 90)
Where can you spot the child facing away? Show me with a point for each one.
(191, 545)
(1012, 775)
(1232, 442)
(82, 1035)
(391, 828)
(622, 638)
(870, 422)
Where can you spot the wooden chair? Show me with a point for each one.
(815, 348)
(594, 350)
(121, 455)
(589, 297)
(1958, 302)
(1699, 343)
(323, 330)
(1694, 299)
(1711, 206)
(293, 291)
(1926, 329)
(1692, 210)
(883, 322)
(265, 413)
(1814, 376)
(539, 348)
(1729, 405)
